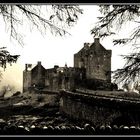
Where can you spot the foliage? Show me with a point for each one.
(15, 16)
(39, 17)
(131, 69)
(6, 57)
(113, 19)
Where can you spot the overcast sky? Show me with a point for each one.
(52, 50)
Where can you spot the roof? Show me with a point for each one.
(89, 46)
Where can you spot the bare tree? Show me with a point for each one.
(131, 69)
(39, 17)
(113, 18)
(36, 17)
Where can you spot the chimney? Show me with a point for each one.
(86, 45)
(39, 63)
(39, 74)
(26, 67)
(39, 67)
(56, 66)
(97, 40)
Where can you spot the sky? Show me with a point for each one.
(51, 50)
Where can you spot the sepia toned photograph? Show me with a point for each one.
(69, 69)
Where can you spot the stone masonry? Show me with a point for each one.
(92, 69)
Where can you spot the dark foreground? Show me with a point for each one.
(57, 124)
(42, 117)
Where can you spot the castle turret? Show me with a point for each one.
(39, 71)
(95, 59)
(38, 75)
(26, 78)
(26, 67)
(97, 41)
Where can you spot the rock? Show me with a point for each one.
(137, 130)
(93, 130)
(125, 130)
(72, 127)
(50, 127)
(36, 131)
(57, 127)
(115, 129)
(77, 130)
(3, 124)
(133, 130)
(88, 129)
(45, 127)
(101, 129)
(27, 129)
(22, 131)
(57, 113)
(68, 129)
(49, 130)
(17, 93)
(86, 126)
(77, 127)
(57, 130)
(108, 130)
(126, 127)
(2, 121)
(121, 127)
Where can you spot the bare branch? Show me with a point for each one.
(116, 16)
(112, 20)
(38, 18)
(130, 71)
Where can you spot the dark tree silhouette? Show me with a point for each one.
(54, 18)
(6, 57)
(112, 20)
(36, 16)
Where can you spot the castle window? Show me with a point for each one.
(81, 76)
(95, 53)
(104, 57)
(86, 54)
(82, 60)
(91, 54)
(82, 63)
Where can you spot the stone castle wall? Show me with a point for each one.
(26, 80)
(91, 63)
(38, 75)
(100, 110)
(95, 59)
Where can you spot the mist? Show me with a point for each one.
(12, 76)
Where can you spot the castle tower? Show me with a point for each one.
(95, 59)
(39, 72)
(26, 78)
(38, 75)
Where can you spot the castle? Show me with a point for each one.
(92, 70)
